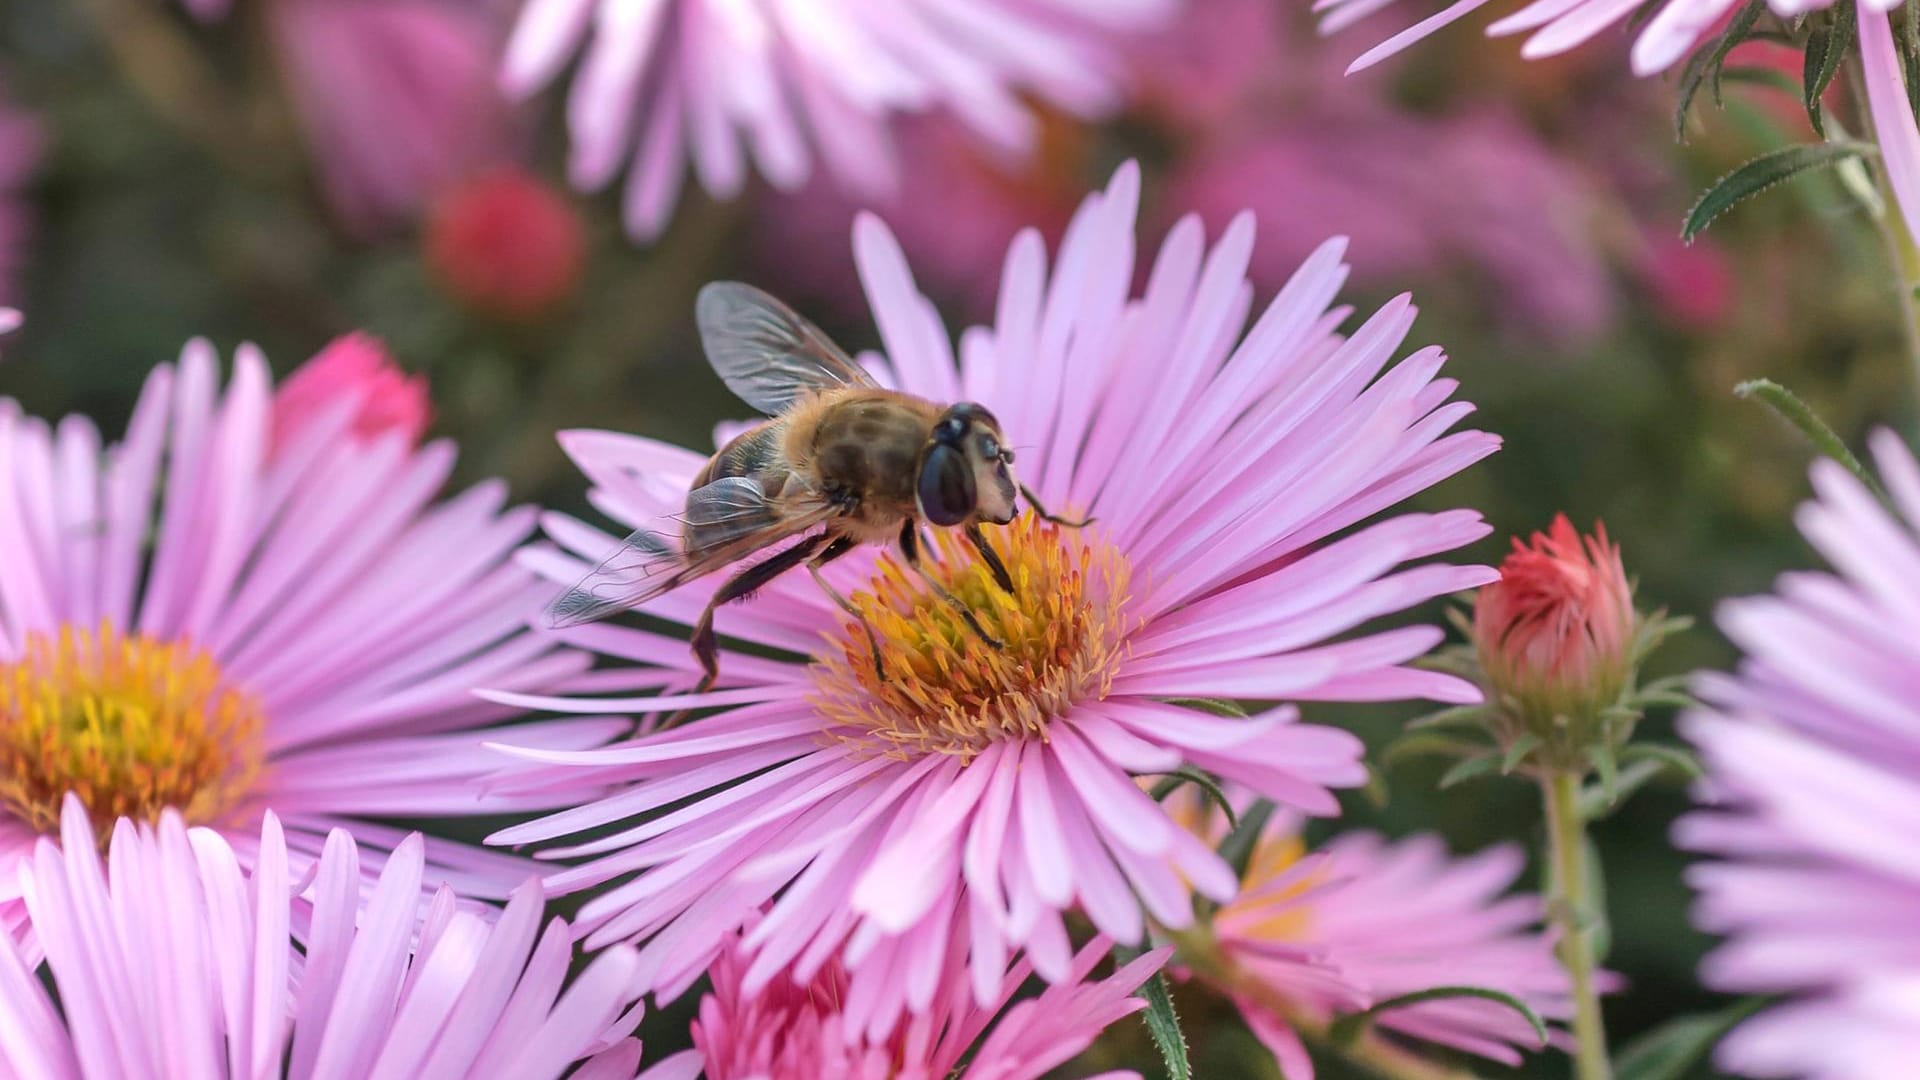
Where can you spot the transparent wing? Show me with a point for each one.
(766, 352)
(726, 521)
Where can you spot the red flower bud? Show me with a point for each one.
(1555, 633)
(506, 245)
(358, 368)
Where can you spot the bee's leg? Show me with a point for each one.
(706, 648)
(910, 547)
(1027, 493)
(832, 551)
(991, 557)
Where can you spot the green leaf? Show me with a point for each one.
(1459, 716)
(1609, 769)
(1761, 76)
(1430, 744)
(1238, 847)
(1162, 1023)
(1596, 802)
(1707, 61)
(1826, 47)
(1677, 758)
(1346, 1029)
(1796, 412)
(1763, 172)
(1216, 706)
(1518, 751)
(1668, 1051)
(1463, 771)
(1376, 790)
(1187, 774)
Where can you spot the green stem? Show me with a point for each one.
(1570, 906)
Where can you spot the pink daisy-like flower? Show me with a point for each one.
(1365, 919)
(787, 1032)
(1225, 466)
(171, 961)
(396, 99)
(788, 83)
(1675, 30)
(207, 617)
(1813, 793)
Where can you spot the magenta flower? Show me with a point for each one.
(1813, 793)
(396, 99)
(207, 618)
(1225, 466)
(355, 368)
(20, 141)
(787, 1032)
(170, 961)
(784, 84)
(1365, 919)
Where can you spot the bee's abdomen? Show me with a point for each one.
(756, 450)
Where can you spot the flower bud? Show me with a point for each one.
(506, 245)
(1555, 634)
(355, 367)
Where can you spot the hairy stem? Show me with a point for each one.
(1570, 907)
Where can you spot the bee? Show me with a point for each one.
(841, 462)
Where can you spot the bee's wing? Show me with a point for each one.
(766, 352)
(726, 521)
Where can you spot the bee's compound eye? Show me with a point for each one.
(947, 491)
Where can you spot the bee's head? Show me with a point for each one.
(964, 470)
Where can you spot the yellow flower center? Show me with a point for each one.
(945, 690)
(130, 725)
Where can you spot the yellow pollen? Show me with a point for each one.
(946, 691)
(130, 725)
(1271, 857)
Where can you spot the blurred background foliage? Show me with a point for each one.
(171, 194)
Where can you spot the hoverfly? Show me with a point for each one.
(842, 455)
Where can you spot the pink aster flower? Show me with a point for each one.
(169, 960)
(985, 793)
(396, 99)
(788, 83)
(1813, 794)
(787, 1032)
(204, 617)
(1365, 919)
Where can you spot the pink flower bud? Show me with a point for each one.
(1555, 633)
(356, 367)
(506, 245)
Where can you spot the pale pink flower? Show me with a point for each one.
(1678, 28)
(1812, 798)
(249, 624)
(1225, 465)
(1257, 119)
(396, 99)
(355, 372)
(780, 86)
(787, 1032)
(170, 960)
(1365, 919)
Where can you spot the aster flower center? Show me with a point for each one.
(129, 724)
(945, 690)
